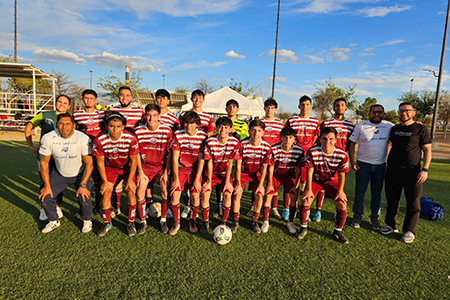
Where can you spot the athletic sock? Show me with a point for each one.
(118, 196)
(141, 210)
(292, 211)
(205, 214)
(226, 212)
(164, 208)
(194, 212)
(255, 216)
(266, 210)
(286, 201)
(176, 213)
(106, 214)
(320, 198)
(340, 217)
(275, 201)
(131, 213)
(304, 215)
(236, 216)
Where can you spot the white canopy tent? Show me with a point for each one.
(215, 103)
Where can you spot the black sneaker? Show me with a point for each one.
(131, 229)
(339, 237)
(142, 228)
(302, 233)
(234, 226)
(164, 227)
(104, 229)
(375, 223)
(192, 226)
(205, 227)
(255, 227)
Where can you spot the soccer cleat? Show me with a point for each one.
(52, 225)
(115, 212)
(218, 212)
(234, 226)
(408, 237)
(142, 228)
(131, 229)
(104, 229)
(59, 212)
(291, 227)
(356, 223)
(250, 213)
(164, 228)
(275, 213)
(339, 237)
(192, 226)
(255, 227)
(302, 233)
(317, 216)
(174, 229)
(185, 212)
(43, 215)
(169, 214)
(375, 223)
(265, 226)
(386, 229)
(285, 215)
(77, 215)
(87, 226)
(205, 227)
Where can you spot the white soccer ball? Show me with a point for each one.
(154, 211)
(222, 234)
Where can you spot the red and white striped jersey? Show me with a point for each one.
(133, 115)
(286, 161)
(207, 124)
(272, 131)
(90, 123)
(326, 166)
(116, 153)
(221, 153)
(254, 156)
(169, 119)
(307, 129)
(154, 145)
(189, 147)
(344, 130)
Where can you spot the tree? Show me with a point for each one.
(364, 108)
(444, 111)
(204, 86)
(325, 96)
(282, 115)
(181, 89)
(423, 102)
(112, 83)
(392, 116)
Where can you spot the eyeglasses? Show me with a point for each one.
(400, 111)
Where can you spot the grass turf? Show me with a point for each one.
(66, 264)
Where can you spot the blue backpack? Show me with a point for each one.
(430, 210)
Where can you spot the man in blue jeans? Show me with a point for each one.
(372, 137)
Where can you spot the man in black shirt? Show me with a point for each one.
(408, 140)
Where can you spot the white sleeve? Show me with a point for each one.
(86, 145)
(355, 134)
(46, 145)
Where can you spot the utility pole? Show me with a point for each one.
(276, 50)
(91, 79)
(15, 31)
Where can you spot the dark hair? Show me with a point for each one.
(257, 123)
(287, 131)
(125, 88)
(163, 93)
(406, 103)
(340, 99)
(232, 101)
(270, 101)
(112, 115)
(192, 117)
(65, 115)
(224, 121)
(62, 95)
(303, 99)
(89, 92)
(376, 105)
(152, 106)
(327, 130)
(198, 93)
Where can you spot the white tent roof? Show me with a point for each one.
(215, 103)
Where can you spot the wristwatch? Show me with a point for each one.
(83, 185)
(425, 169)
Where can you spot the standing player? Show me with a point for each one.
(344, 129)
(252, 167)
(154, 144)
(219, 153)
(240, 128)
(326, 167)
(166, 117)
(117, 153)
(185, 151)
(286, 172)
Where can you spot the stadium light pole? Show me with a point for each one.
(164, 79)
(412, 81)
(276, 50)
(15, 31)
(90, 86)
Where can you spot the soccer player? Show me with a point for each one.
(252, 167)
(71, 150)
(198, 98)
(286, 172)
(219, 153)
(47, 121)
(344, 129)
(326, 167)
(154, 143)
(240, 128)
(166, 117)
(185, 151)
(117, 154)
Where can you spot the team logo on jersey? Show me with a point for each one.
(153, 140)
(252, 155)
(339, 130)
(222, 153)
(115, 150)
(269, 129)
(376, 131)
(285, 160)
(304, 127)
(65, 149)
(90, 121)
(190, 146)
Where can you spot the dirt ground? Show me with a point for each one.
(442, 152)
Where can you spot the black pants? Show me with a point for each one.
(398, 178)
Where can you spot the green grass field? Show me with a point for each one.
(66, 264)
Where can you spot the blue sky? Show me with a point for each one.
(376, 44)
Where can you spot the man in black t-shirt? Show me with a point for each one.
(408, 140)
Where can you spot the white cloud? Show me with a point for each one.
(366, 54)
(404, 61)
(338, 54)
(106, 59)
(55, 55)
(353, 44)
(74, 13)
(382, 11)
(279, 79)
(393, 42)
(319, 6)
(315, 59)
(284, 55)
(202, 64)
(369, 49)
(233, 54)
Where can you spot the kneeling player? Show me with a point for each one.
(326, 167)
(286, 172)
(117, 157)
(256, 155)
(185, 151)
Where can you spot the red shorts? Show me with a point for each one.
(254, 181)
(287, 182)
(330, 188)
(115, 175)
(218, 178)
(187, 178)
(152, 173)
(303, 173)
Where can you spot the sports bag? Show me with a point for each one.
(430, 209)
